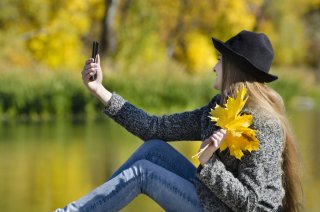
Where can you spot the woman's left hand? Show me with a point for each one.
(214, 142)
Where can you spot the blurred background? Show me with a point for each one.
(55, 142)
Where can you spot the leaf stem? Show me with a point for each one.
(201, 151)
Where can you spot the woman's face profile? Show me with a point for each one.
(218, 70)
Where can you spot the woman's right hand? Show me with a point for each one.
(211, 144)
(89, 70)
(95, 86)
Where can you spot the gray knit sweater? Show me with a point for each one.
(225, 184)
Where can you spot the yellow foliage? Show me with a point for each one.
(239, 136)
(56, 32)
(315, 3)
(240, 9)
(59, 43)
(200, 52)
(234, 16)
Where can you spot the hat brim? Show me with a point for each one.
(259, 74)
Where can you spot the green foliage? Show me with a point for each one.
(47, 96)
(138, 36)
(284, 23)
(40, 96)
(62, 95)
(166, 90)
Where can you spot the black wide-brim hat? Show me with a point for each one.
(251, 51)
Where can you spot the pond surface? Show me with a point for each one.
(47, 165)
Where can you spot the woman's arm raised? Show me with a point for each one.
(179, 126)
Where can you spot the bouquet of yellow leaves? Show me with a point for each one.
(239, 136)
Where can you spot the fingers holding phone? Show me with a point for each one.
(98, 73)
(92, 74)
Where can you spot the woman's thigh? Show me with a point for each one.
(163, 154)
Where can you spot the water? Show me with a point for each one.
(47, 165)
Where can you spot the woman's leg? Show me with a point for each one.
(162, 154)
(170, 191)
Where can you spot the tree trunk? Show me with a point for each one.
(176, 31)
(260, 14)
(109, 41)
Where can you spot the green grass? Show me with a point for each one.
(62, 95)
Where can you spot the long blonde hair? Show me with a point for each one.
(263, 97)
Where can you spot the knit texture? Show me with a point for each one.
(253, 183)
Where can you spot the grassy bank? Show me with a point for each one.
(62, 95)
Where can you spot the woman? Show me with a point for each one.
(263, 180)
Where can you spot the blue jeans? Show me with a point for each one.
(155, 169)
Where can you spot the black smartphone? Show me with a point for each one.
(95, 51)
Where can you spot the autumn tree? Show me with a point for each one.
(58, 34)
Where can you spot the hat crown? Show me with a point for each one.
(255, 47)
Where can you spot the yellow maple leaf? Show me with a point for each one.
(239, 136)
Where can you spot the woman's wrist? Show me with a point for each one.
(103, 94)
(202, 163)
(212, 159)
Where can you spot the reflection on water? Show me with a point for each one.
(307, 128)
(45, 166)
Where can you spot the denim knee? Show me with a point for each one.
(154, 144)
(154, 148)
(142, 167)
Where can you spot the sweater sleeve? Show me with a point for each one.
(257, 186)
(178, 126)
